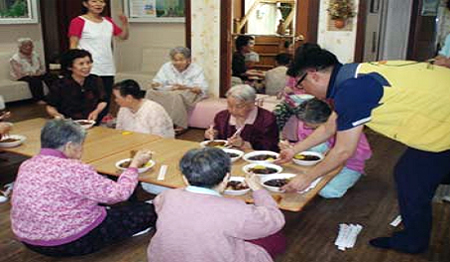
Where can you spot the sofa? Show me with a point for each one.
(152, 60)
(11, 90)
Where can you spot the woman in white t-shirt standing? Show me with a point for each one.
(93, 32)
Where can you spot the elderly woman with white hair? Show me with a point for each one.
(57, 200)
(178, 86)
(244, 124)
(26, 65)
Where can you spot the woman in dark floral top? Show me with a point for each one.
(78, 95)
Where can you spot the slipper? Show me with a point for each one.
(180, 131)
(9, 188)
(145, 231)
(3, 199)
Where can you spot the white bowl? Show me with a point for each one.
(236, 192)
(86, 124)
(261, 152)
(246, 168)
(234, 151)
(147, 166)
(275, 189)
(205, 143)
(301, 162)
(19, 139)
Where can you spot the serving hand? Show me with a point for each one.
(298, 183)
(284, 144)
(286, 155)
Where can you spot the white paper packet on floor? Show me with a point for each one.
(347, 236)
(396, 221)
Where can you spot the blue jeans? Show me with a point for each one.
(339, 185)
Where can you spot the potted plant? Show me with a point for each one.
(340, 11)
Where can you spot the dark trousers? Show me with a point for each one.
(36, 86)
(120, 223)
(108, 82)
(417, 176)
(274, 244)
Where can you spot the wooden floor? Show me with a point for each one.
(311, 233)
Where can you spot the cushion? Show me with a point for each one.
(4, 65)
(202, 115)
(14, 90)
(144, 79)
(152, 60)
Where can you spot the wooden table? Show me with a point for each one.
(169, 152)
(100, 141)
(104, 147)
(166, 152)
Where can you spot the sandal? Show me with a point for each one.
(4, 195)
(179, 130)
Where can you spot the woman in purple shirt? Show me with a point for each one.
(244, 124)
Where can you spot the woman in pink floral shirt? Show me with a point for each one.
(55, 203)
(138, 114)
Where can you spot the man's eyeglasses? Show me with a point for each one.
(299, 82)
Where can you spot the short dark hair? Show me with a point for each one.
(129, 87)
(283, 59)
(448, 5)
(69, 57)
(58, 132)
(314, 111)
(287, 43)
(242, 41)
(309, 56)
(205, 167)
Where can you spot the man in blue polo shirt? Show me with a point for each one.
(406, 101)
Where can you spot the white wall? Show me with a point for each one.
(205, 40)
(341, 43)
(159, 37)
(394, 44)
(264, 20)
(10, 33)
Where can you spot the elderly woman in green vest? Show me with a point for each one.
(406, 101)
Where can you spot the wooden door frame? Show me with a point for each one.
(417, 22)
(360, 32)
(225, 46)
(188, 31)
(306, 25)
